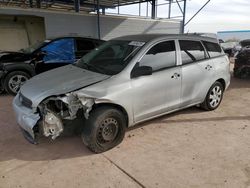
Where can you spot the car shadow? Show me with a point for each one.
(166, 119)
(61, 148)
(237, 83)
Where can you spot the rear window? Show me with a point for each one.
(213, 49)
(191, 51)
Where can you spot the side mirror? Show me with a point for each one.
(141, 71)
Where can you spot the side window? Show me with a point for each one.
(84, 45)
(191, 51)
(59, 51)
(160, 56)
(213, 49)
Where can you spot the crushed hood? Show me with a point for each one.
(59, 81)
(7, 56)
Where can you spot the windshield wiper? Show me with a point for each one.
(92, 67)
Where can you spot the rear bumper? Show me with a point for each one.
(26, 119)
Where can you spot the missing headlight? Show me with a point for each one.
(52, 125)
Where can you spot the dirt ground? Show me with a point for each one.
(191, 148)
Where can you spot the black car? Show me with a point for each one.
(242, 60)
(17, 67)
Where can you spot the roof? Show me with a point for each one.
(246, 40)
(149, 37)
(75, 36)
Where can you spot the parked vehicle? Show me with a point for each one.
(242, 60)
(17, 67)
(229, 47)
(125, 81)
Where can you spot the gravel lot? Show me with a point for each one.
(191, 148)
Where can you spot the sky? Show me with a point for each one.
(218, 15)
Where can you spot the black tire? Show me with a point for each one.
(104, 129)
(244, 73)
(236, 73)
(208, 104)
(9, 85)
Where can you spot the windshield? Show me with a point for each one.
(111, 57)
(33, 47)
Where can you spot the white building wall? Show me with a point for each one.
(70, 23)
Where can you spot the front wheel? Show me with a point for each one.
(213, 97)
(104, 129)
(14, 80)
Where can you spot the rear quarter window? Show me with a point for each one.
(213, 49)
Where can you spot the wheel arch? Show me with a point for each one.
(27, 68)
(223, 82)
(113, 105)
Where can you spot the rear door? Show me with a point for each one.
(197, 72)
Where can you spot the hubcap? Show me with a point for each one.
(16, 82)
(108, 130)
(215, 96)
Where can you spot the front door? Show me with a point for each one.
(158, 93)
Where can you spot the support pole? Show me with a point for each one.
(147, 10)
(153, 10)
(31, 3)
(197, 12)
(103, 11)
(77, 5)
(169, 9)
(179, 6)
(184, 16)
(140, 8)
(38, 3)
(98, 19)
(156, 8)
(118, 7)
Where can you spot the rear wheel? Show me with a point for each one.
(104, 129)
(213, 97)
(14, 80)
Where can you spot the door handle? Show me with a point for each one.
(208, 67)
(175, 75)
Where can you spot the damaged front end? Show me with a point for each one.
(52, 115)
(55, 110)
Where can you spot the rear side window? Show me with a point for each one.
(213, 48)
(191, 51)
(160, 56)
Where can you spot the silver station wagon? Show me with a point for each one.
(123, 82)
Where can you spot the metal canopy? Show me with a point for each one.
(114, 3)
(96, 5)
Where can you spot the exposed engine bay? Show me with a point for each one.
(54, 110)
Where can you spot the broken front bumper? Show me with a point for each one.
(25, 118)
